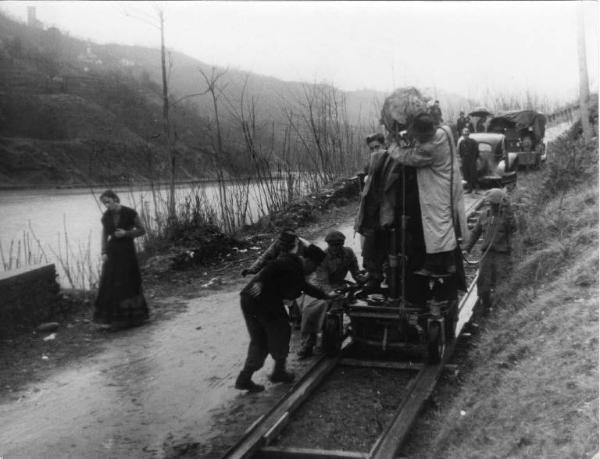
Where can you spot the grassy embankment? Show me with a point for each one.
(533, 389)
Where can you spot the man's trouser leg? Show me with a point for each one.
(278, 341)
(471, 169)
(374, 255)
(257, 350)
(313, 316)
(258, 346)
(493, 270)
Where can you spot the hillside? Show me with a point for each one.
(74, 112)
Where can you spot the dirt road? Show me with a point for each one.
(163, 390)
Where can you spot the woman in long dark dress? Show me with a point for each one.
(120, 302)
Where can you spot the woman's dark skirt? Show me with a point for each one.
(120, 302)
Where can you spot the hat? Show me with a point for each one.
(335, 237)
(495, 195)
(314, 254)
(287, 238)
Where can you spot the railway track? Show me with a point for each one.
(263, 438)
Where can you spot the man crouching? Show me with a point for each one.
(266, 317)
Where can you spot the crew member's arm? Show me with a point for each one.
(262, 260)
(354, 270)
(419, 156)
(475, 233)
(315, 292)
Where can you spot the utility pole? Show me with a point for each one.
(167, 131)
(584, 88)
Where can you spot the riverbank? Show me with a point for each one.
(30, 356)
(125, 185)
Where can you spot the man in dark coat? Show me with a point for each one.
(374, 245)
(469, 152)
(265, 315)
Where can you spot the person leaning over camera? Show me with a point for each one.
(265, 315)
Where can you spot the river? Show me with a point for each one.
(55, 217)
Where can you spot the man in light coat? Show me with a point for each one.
(441, 198)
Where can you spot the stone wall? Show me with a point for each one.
(28, 296)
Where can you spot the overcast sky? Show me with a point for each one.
(465, 47)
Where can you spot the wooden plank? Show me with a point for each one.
(389, 444)
(273, 452)
(382, 364)
(274, 420)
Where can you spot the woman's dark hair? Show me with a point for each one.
(110, 194)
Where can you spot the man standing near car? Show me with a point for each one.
(469, 152)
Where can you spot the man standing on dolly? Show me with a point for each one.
(431, 150)
(265, 315)
(468, 151)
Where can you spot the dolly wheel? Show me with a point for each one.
(332, 335)
(435, 343)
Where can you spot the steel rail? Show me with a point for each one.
(271, 423)
(256, 440)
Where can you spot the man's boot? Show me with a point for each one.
(244, 382)
(280, 374)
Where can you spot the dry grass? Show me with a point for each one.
(533, 390)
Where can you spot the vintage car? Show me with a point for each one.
(524, 131)
(495, 167)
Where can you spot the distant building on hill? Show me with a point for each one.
(32, 20)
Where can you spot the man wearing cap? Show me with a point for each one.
(330, 275)
(265, 315)
(496, 224)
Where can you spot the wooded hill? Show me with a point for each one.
(77, 113)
